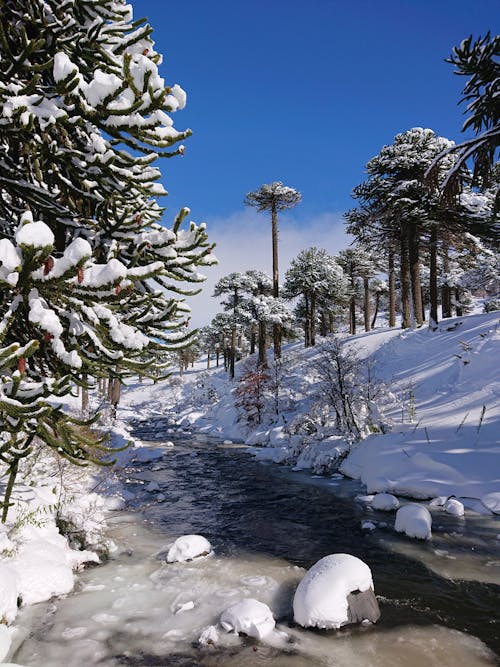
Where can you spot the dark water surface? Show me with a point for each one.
(242, 504)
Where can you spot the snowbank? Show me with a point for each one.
(321, 598)
(441, 389)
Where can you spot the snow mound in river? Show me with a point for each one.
(187, 547)
(321, 598)
(414, 520)
(251, 617)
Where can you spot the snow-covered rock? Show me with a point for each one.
(323, 597)
(368, 525)
(153, 486)
(249, 616)
(209, 635)
(187, 548)
(385, 501)
(454, 507)
(414, 520)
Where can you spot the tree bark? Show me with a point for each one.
(433, 277)
(405, 279)
(85, 394)
(313, 320)
(458, 305)
(375, 313)
(414, 258)
(445, 289)
(366, 308)
(233, 336)
(276, 288)
(352, 306)
(392, 289)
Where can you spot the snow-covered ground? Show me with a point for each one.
(441, 399)
(442, 403)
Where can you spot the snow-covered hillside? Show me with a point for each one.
(440, 405)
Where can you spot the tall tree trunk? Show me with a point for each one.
(352, 306)
(433, 277)
(416, 286)
(392, 288)
(313, 320)
(405, 279)
(331, 324)
(323, 323)
(445, 289)
(208, 359)
(375, 310)
(85, 394)
(276, 279)
(366, 307)
(233, 336)
(458, 304)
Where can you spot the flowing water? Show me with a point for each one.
(266, 525)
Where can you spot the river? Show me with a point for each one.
(266, 525)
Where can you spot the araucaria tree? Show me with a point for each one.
(478, 59)
(315, 276)
(273, 198)
(91, 282)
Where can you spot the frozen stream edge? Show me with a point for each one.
(130, 611)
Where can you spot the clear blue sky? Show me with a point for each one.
(303, 91)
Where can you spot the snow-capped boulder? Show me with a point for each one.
(385, 502)
(414, 520)
(337, 590)
(187, 548)
(249, 616)
(454, 507)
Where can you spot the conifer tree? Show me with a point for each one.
(274, 197)
(92, 283)
(316, 276)
(478, 59)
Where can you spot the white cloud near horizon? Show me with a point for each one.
(244, 242)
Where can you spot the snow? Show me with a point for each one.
(63, 67)
(33, 234)
(415, 521)
(250, 617)
(454, 507)
(385, 502)
(321, 597)
(188, 547)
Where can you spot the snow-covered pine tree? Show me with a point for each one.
(477, 59)
(84, 117)
(358, 263)
(316, 276)
(274, 197)
(402, 207)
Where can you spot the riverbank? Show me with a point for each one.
(266, 527)
(441, 443)
(438, 405)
